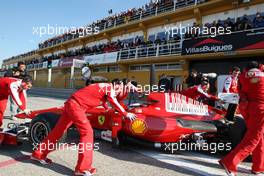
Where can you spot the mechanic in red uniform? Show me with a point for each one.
(252, 92)
(75, 113)
(230, 84)
(16, 88)
(200, 91)
(125, 88)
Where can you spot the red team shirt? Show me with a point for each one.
(98, 95)
(11, 86)
(230, 85)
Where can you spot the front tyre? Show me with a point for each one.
(41, 126)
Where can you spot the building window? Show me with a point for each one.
(145, 67)
(161, 67)
(100, 70)
(174, 67)
(135, 68)
(114, 69)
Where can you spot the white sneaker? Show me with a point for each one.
(228, 172)
(41, 161)
(86, 173)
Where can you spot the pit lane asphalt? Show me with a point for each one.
(109, 161)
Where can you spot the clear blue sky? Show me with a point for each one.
(18, 17)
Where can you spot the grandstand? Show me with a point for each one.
(128, 43)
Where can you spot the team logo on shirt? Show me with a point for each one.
(254, 80)
(101, 119)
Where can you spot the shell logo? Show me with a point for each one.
(138, 126)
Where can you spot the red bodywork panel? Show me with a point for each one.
(6, 138)
(156, 122)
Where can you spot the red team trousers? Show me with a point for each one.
(252, 143)
(73, 113)
(3, 102)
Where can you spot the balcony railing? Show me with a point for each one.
(150, 51)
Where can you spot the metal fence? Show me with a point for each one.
(150, 51)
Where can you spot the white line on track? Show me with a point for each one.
(185, 162)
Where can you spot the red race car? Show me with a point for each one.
(161, 118)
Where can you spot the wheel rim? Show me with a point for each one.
(39, 132)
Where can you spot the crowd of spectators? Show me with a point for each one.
(21, 56)
(151, 8)
(240, 24)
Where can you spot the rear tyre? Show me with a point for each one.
(41, 126)
(237, 131)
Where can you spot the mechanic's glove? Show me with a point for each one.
(27, 111)
(131, 116)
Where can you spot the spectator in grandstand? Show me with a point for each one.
(157, 41)
(246, 23)
(229, 23)
(238, 25)
(258, 20)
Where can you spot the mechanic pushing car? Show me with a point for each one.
(16, 89)
(125, 87)
(200, 91)
(251, 91)
(74, 112)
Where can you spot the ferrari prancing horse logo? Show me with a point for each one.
(101, 119)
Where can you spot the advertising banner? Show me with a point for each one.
(45, 64)
(101, 58)
(224, 43)
(68, 61)
(55, 63)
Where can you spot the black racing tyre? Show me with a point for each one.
(237, 131)
(41, 126)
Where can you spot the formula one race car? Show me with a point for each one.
(161, 118)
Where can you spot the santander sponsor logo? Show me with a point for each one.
(177, 103)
